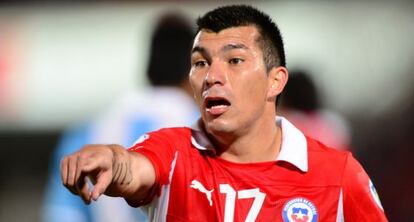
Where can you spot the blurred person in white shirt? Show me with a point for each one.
(166, 103)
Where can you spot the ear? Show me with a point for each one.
(277, 78)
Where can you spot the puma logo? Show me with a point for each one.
(195, 184)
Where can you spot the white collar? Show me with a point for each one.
(293, 149)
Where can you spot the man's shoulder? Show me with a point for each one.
(178, 133)
(320, 153)
(173, 137)
(319, 147)
(174, 130)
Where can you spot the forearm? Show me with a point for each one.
(133, 175)
(112, 169)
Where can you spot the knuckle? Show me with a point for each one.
(72, 158)
(86, 148)
(82, 156)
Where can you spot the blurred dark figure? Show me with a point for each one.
(387, 150)
(301, 104)
(167, 103)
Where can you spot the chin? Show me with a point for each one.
(219, 127)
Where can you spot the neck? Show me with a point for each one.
(259, 143)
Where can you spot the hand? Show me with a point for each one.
(103, 164)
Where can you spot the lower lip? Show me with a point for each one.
(217, 110)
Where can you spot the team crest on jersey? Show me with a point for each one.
(299, 210)
(375, 194)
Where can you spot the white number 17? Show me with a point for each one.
(242, 194)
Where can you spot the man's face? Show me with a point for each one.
(229, 79)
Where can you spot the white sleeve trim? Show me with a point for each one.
(158, 208)
(340, 211)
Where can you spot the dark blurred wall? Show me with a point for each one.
(24, 164)
(384, 143)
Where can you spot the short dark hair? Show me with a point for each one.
(170, 49)
(270, 41)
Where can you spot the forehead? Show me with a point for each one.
(246, 35)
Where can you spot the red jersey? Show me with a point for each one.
(307, 183)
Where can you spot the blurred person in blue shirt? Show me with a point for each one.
(167, 103)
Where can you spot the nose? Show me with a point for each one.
(215, 75)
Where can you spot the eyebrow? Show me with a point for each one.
(234, 46)
(199, 49)
(227, 47)
(202, 51)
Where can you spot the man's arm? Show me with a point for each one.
(361, 201)
(113, 171)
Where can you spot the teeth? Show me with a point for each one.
(219, 106)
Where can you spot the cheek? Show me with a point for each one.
(253, 93)
(193, 81)
(253, 87)
(196, 82)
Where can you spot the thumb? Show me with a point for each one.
(102, 183)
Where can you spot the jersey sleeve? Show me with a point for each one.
(360, 199)
(159, 148)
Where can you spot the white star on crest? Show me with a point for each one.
(300, 215)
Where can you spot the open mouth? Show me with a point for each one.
(210, 103)
(216, 106)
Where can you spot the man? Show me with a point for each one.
(167, 102)
(236, 163)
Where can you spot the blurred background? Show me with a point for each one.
(61, 62)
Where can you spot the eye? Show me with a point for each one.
(235, 61)
(200, 63)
